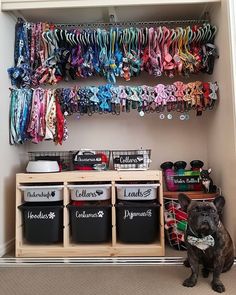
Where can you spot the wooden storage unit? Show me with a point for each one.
(69, 249)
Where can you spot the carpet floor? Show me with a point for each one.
(106, 280)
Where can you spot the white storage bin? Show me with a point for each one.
(90, 192)
(137, 191)
(49, 193)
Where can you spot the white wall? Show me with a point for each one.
(221, 132)
(170, 140)
(9, 155)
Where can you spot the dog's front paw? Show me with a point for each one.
(218, 287)
(186, 263)
(189, 282)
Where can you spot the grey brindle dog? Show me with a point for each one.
(207, 241)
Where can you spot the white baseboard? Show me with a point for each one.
(91, 261)
(6, 247)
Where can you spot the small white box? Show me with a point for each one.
(137, 191)
(48, 193)
(91, 192)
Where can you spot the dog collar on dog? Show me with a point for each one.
(201, 243)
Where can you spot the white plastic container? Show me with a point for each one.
(42, 166)
(48, 193)
(91, 192)
(137, 191)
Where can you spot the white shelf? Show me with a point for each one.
(36, 4)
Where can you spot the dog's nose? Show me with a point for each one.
(204, 214)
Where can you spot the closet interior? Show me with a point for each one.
(209, 137)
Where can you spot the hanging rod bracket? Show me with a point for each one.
(17, 14)
(207, 15)
(112, 15)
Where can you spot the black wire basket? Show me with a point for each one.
(131, 159)
(85, 159)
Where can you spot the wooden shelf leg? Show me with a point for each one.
(113, 213)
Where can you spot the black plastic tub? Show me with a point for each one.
(137, 222)
(90, 223)
(43, 222)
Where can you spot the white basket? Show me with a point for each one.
(90, 192)
(48, 193)
(137, 191)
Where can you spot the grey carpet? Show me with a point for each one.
(112, 280)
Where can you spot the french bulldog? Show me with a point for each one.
(207, 241)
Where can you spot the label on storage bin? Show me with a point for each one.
(90, 192)
(51, 215)
(98, 214)
(84, 160)
(137, 193)
(129, 159)
(186, 179)
(81, 194)
(129, 214)
(41, 195)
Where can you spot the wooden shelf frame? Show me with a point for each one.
(69, 249)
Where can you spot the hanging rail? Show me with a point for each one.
(134, 23)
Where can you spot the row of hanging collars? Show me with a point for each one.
(47, 54)
(108, 98)
(40, 114)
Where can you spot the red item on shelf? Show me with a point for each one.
(177, 236)
(179, 215)
(103, 157)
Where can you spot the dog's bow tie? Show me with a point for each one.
(201, 243)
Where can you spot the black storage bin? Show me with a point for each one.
(43, 222)
(137, 222)
(90, 223)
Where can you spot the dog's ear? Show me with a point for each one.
(184, 201)
(219, 202)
